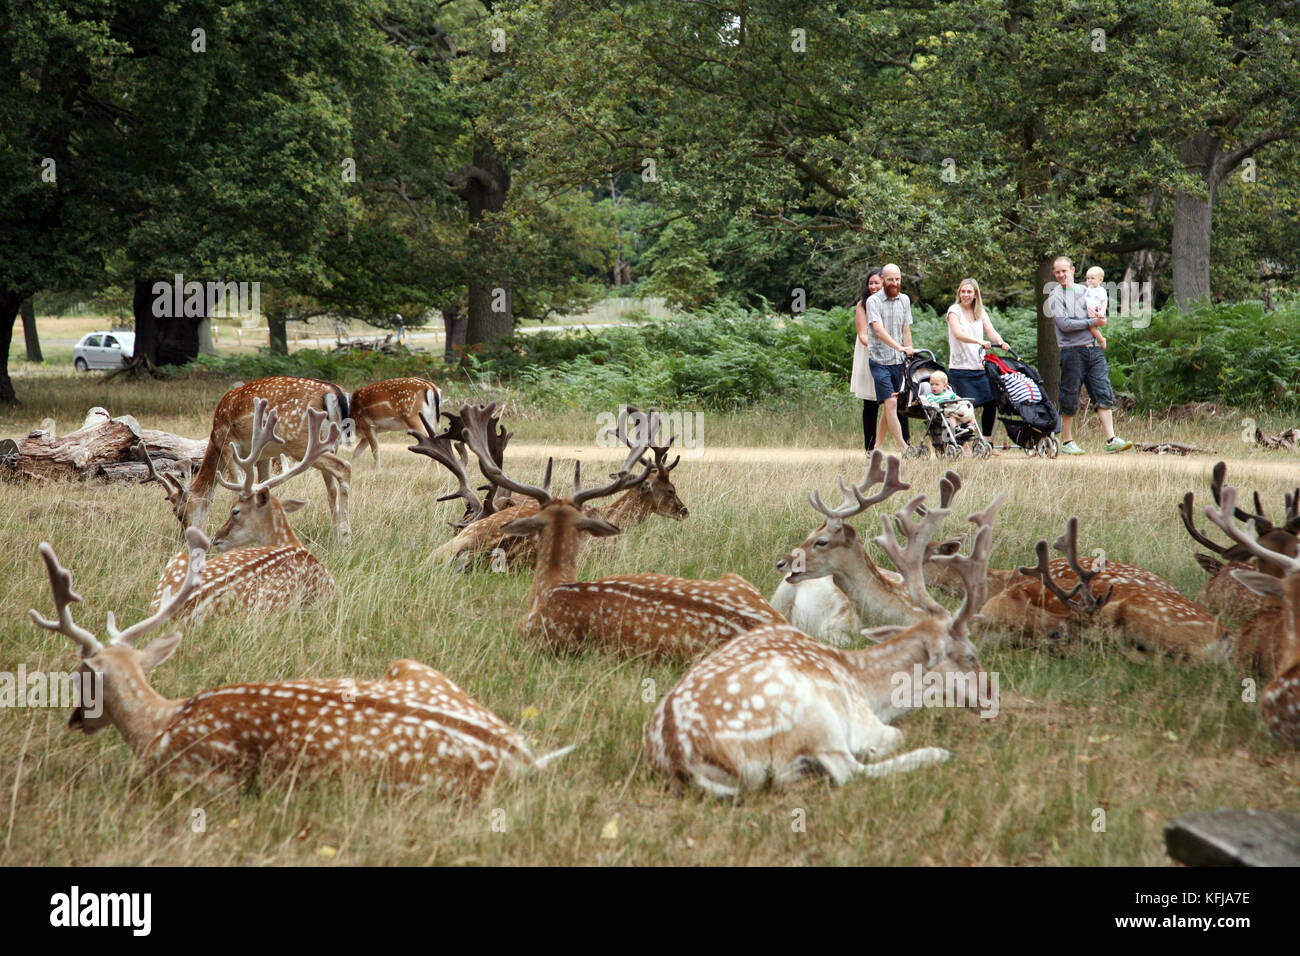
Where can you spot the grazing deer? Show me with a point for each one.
(645, 614)
(263, 566)
(774, 704)
(232, 422)
(1133, 602)
(1254, 615)
(394, 404)
(1280, 703)
(831, 583)
(481, 531)
(412, 727)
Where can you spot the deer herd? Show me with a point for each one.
(771, 692)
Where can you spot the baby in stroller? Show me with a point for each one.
(950, 419)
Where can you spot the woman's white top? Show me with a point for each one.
(861, 383)
(965, 355)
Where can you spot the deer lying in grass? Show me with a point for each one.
(263, 567)
(481, 531)
(413, 727)
(774, 704)
(831, 583)
(1137, 604)
(1254, 615)
(655, 615)
(1280, 703)
(394, 404)
(233, 421)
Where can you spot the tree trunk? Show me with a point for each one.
(206, 345)
(1193, 219)
(147, 325)
(1048, 361)
(168, 339)
(453, 324)
(9, 305)
(28, 311)
(279, 337)
(485, 189)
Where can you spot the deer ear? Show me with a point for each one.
(262, 497)
(290, 505)
(597, 527)
(159, 649)
(1264, 585)
(523, 527)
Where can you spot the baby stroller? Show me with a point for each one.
(946, 438)
(1023, 406)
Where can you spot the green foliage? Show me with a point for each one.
(315, 363)
(1235, 353)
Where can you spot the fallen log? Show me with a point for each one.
(1172, 448)
(1288, 440)
(110, 449)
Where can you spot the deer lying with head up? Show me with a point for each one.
(655, 615)
(481, 531)
(413, 727)
(1280, 703)
(774, 704)
(831, 583)
(233, 422)
(1051, 602)
(263, 566)
(1254, 615)
(394, 404)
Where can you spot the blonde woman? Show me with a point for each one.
(969, 329)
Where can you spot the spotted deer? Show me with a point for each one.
(1280, 703)
(831, 583)
(413, 727)
(655, 615)
(1054, 603)
(1255, 616)
(775, 704)
(263, 566)
(394, 404)
(233, 421)
(481, 532)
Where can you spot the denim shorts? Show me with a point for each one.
(1084, 365)
(888, 379)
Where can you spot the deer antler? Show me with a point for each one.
(173, 486)
(880, 470)
(263, 433)
(476, 423)
(439, 448)
(170, 603)
(973, 568)
(1067, 544)
(622, 479)
(64, 598)
(1222, 518)
(908, 560)
(320, 441)
(1216, 488)
(1185, 512)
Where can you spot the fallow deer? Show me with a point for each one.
(1280, 703)
(1132, 602)
(262, 565)
(481, 532)
(413, 727)
(1254, 616)
(831, 583)
(232, 422)
(774, 704)
(394, 404)
(655, 615)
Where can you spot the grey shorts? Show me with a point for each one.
(1085, 365)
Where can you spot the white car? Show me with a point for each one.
(103, 350)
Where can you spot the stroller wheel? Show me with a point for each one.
(1029, 451)
(951, 452)
(981, 449)
(1056, 447)
(916, 451)
(1047, 447)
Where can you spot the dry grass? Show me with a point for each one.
(1084, 731)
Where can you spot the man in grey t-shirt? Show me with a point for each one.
(889, 344)
(1082, 362)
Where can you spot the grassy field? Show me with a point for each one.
(1078, 732)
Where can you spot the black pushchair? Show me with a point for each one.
(945, 437)
(1025, 410)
